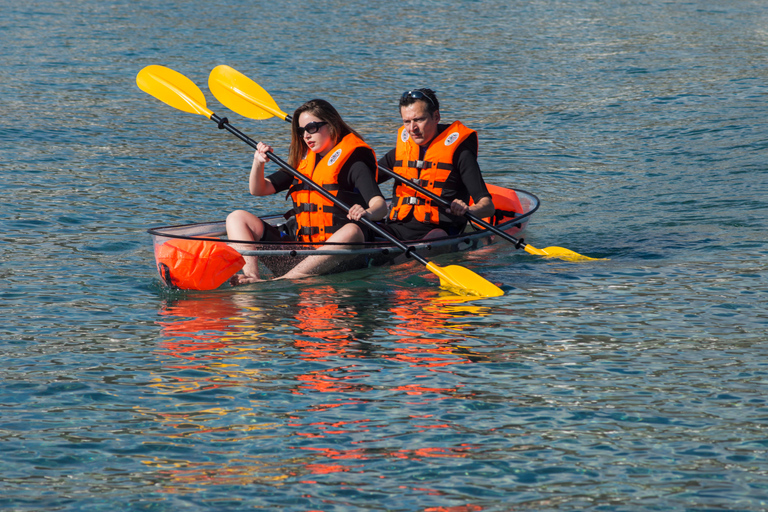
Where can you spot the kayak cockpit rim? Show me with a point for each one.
(214, 230)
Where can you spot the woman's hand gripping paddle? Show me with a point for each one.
(240, 94)
(178, 91)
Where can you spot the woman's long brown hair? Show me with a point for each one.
(324, 111)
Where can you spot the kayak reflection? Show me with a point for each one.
(231, 361)
(220, 334)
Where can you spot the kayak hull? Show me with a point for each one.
(514, 209)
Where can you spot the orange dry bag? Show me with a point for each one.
(196, 264)
(506, 202)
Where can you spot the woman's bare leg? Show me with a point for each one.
(242, 225)
(435, 233)
(313, 265)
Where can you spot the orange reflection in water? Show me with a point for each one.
(458, 508)
(215, 334)
(199, 336)
(218, 334)
(429, 335)
(330, 328)
(459, 452)
(324, 325)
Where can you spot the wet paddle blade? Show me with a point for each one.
(464, 281)
(240, 94)
(172, 88)
(559, 252)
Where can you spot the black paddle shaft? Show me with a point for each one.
(223, 124)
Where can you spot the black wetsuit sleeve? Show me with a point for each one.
(281, 180)
(387, 161)
(465, 160)
(358, 173)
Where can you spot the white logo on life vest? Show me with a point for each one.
(335, 156)
(452, 138)
(404, 136)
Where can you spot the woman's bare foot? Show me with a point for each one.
(239, 279)
(295, 275)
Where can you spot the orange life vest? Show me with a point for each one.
(431, 172)
(317, 218)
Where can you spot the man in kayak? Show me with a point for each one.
(443, 158)
(329, 152)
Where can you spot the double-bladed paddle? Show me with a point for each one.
(178, 91)
(240, 94)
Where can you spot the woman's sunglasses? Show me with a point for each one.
(311, 128)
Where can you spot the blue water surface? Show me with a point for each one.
(633, 383)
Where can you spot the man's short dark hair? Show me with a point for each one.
(425, 95)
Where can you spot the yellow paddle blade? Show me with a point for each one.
(172, 88)
(464, 281)
(559, 252)
(240, 94)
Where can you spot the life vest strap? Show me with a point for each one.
(405, 200)
(305, 207)
(412, 200)
(313, 230)
(421, 164)
(300, 187)
(313, 207)
(500, 215)
(425, 184)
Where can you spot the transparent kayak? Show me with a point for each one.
(513, 210)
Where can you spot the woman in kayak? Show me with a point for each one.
(326, 150)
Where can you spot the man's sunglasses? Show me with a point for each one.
(417, 95)
(311, 128)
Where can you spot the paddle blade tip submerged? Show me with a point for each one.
(568, 255)
(561, 253)
(463, 281)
